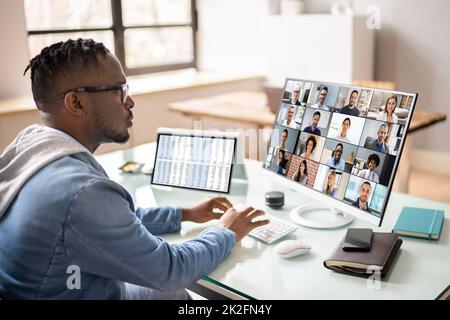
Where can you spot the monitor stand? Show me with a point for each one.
(338, 218)
(239, 172)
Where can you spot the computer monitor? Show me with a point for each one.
(340, 144)
(196, 159)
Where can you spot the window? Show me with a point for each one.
(146, 35)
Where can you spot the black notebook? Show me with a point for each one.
(364, 263)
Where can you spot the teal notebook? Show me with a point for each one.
(419, 222)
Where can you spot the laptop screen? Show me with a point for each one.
(340, 140)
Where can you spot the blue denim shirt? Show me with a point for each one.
(70, 214)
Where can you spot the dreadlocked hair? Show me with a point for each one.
(57, 62)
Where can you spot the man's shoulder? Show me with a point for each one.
(47, 195)
(65, 176)
(77, 163)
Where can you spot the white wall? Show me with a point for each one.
(231, 35)
(318, 47)
(413, 50)
(14, 53)
(250, 36)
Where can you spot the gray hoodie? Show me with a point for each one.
(32, 149)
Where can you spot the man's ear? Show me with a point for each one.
(73, 104)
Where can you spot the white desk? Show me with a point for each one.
(420, 271)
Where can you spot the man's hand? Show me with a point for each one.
(203, 211)
(241, 221)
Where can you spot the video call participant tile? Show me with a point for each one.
(338, 155)
(323, 96)
(310, 146)
(316, 122)
(284, 138)
(381, 136)
(302, 170)
(331, 182)
(359, 193)
(390, 107)
(279, 161)
(346, 128)
(373, 165)
(287, 115)
(353, 101)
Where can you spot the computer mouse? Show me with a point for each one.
(291, 248)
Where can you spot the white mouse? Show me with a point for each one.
(291, 248)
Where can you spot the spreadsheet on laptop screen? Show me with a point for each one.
(197, 162)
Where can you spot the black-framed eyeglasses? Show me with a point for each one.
(122, 88)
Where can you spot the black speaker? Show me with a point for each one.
(274, 199)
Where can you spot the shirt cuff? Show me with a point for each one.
(229, 234)
(178, 216)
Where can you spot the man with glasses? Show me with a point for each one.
(66, 230)
(295, 95)
(321, 102)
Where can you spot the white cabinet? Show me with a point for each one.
(333, 48)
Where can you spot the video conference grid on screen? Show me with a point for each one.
(342, 141)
